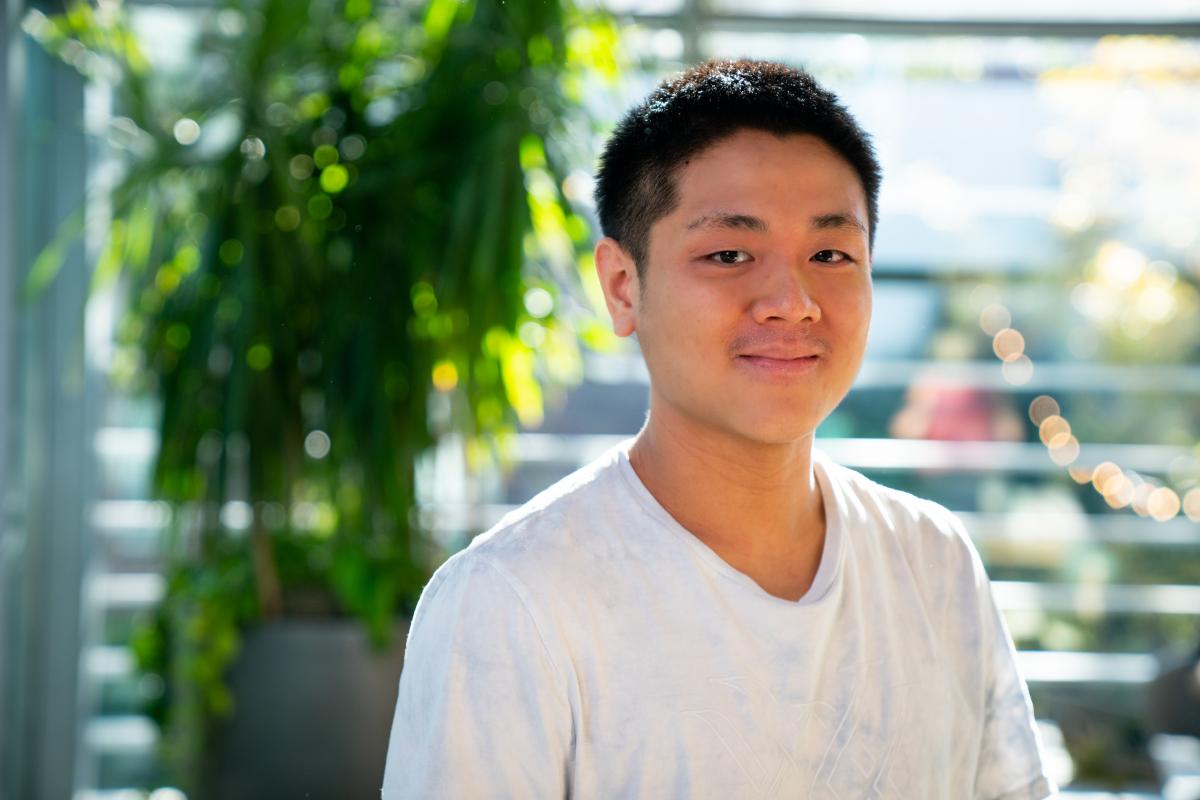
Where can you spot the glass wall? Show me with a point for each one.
(47, 399)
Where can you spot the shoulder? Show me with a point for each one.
(499, 594)
(925, 530)
(558, 517)
(475, 609)
(918, 549)
(868, 500)
(542, 539)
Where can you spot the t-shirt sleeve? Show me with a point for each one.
(482, 708)
(1010, 756)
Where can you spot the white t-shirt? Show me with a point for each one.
(588, 646)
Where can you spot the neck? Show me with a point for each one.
(753, 500)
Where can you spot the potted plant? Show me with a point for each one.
(340, 235)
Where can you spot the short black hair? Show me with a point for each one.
(635, 184)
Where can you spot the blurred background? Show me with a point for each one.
(296, 298)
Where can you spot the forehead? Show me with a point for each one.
(798, 171)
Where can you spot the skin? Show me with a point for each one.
(727, 445)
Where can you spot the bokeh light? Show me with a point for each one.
(186, 131)
(301, 167)
(353, 147)
(317, 444)
(253, 148)
(1118, 265)
(445, 376)
(1102, 473)
(1191, 504)
(1064, 449)
(258, 357)
(1019, 371)
(1117, 490)
(1053, 426)
(334, 178)
(1123, 271)
(532, 334)
(538, 302)
(287, 218)
(1009, 344)
(1041, 407)
(1163, 503)
(994, 318)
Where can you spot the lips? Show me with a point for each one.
(781, 348)
(778, 367)
(782, 351)
(779, 357)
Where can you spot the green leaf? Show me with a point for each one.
(357, 9)
(533, 154)
(109, 263)
(439, 17)
(50, 260)
(140, 234)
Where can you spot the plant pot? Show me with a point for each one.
(314, 705)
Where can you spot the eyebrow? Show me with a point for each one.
(725, 220)
(746, 222)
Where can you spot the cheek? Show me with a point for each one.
(688, 310)
(865, 308)
(846, 320)
(683, 323)
(853, 309)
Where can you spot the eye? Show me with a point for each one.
(729, 257)
(825, 256)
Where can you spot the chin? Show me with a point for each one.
(776, 429)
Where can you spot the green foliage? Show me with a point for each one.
(340, 235)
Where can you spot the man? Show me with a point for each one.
(714, 609)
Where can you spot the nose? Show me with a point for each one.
(785, 295)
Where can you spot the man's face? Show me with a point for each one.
(754, 312)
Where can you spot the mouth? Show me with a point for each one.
(779, 365)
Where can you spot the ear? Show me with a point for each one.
(619, 280)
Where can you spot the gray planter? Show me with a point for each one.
(314, 710)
